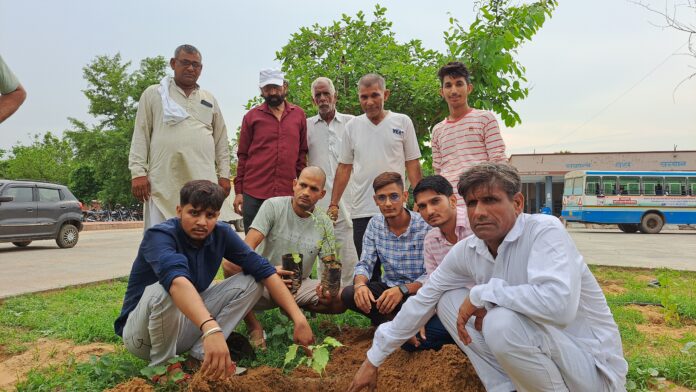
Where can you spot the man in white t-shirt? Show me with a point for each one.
(375, 142)
(324, 137)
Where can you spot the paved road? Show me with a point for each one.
(101, 255)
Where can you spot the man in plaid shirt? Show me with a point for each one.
(396, 238)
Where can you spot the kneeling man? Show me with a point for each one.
(534, 319)
(284, 225)
(170, 306)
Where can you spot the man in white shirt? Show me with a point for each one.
(324, 136)
(179, 136)
(375, 142)
(535, 318)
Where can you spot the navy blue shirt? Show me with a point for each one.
(166, 253)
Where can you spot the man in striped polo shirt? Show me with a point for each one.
(467, 136)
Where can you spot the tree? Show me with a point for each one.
(489, 45)
(348, 48)
(47, 158)
(84, 183)
(352, 47)
(113, 94)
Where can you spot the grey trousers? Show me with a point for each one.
(156, 330)
(514, 353)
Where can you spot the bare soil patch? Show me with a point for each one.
(43, 353)
(444, 370)
(656, 326)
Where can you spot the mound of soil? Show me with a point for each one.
(444, 370)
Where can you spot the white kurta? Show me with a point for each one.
(196, 148)
(538, 273)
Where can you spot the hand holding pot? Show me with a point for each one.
(285, 276)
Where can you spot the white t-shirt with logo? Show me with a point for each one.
(375, 149)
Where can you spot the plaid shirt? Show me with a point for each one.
(401, 257)
(436, 245)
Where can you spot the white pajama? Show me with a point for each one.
(548, 326)
(156, 330)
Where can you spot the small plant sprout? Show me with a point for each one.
(319, 358)
(327, 244)
(296, 257)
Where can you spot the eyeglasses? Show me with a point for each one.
(393, 197)
(186, 64)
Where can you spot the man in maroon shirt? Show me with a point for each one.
(272, 147)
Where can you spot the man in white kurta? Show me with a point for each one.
(179, 136)
(324, 136)
(535, 318)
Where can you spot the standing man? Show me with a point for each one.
(272, 148)
(325, 133)
(467, 136)
(179, 136)
(375, 142)
(518, 298)
(12, 94)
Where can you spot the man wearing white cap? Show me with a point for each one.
(272, 147)
(179, 136)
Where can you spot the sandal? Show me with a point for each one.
(258, 339)
(172, 371)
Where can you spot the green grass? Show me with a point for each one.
(86, 314)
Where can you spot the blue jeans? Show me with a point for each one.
(435, 337)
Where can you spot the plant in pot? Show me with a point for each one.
(293, 262)
(329, 247)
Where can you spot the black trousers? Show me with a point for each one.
(250, 207)
(377, 288)
(359, 227)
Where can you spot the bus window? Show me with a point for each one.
(629, 185)
(592, 185)
(692, 186)
(568, 187)
(675, 186)
(652, 186)
(577, 186)
(609, 185)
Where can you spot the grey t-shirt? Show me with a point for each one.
(8, 81)
(285, 232)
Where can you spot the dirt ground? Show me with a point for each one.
(46, 352)
(442, 371)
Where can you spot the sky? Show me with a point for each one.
(602, 73)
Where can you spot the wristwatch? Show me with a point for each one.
(404, 290)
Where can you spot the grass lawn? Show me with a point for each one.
(657, 324)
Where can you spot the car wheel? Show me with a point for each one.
(67, 236)
(21, 244)
(651, 223)
(628, 227)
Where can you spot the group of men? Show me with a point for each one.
(420, 276)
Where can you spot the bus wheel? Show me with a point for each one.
(651, 223)
(628, 227)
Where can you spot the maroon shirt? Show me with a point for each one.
(271, 153)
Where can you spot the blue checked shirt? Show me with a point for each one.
(401, 257)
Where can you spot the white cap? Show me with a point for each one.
(271, 76)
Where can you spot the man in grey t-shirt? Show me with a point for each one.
(284, 225)
(12, 94)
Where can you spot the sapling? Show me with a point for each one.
(319, 358)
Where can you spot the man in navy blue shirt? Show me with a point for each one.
(170, 306)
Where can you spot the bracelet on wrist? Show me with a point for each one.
(203, 323)
(210, 332)
(359, 285)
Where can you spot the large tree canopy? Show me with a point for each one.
(351, 47)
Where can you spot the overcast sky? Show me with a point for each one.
(601, 72)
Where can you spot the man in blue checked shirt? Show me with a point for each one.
(396, 238)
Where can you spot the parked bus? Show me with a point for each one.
(634, 200)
